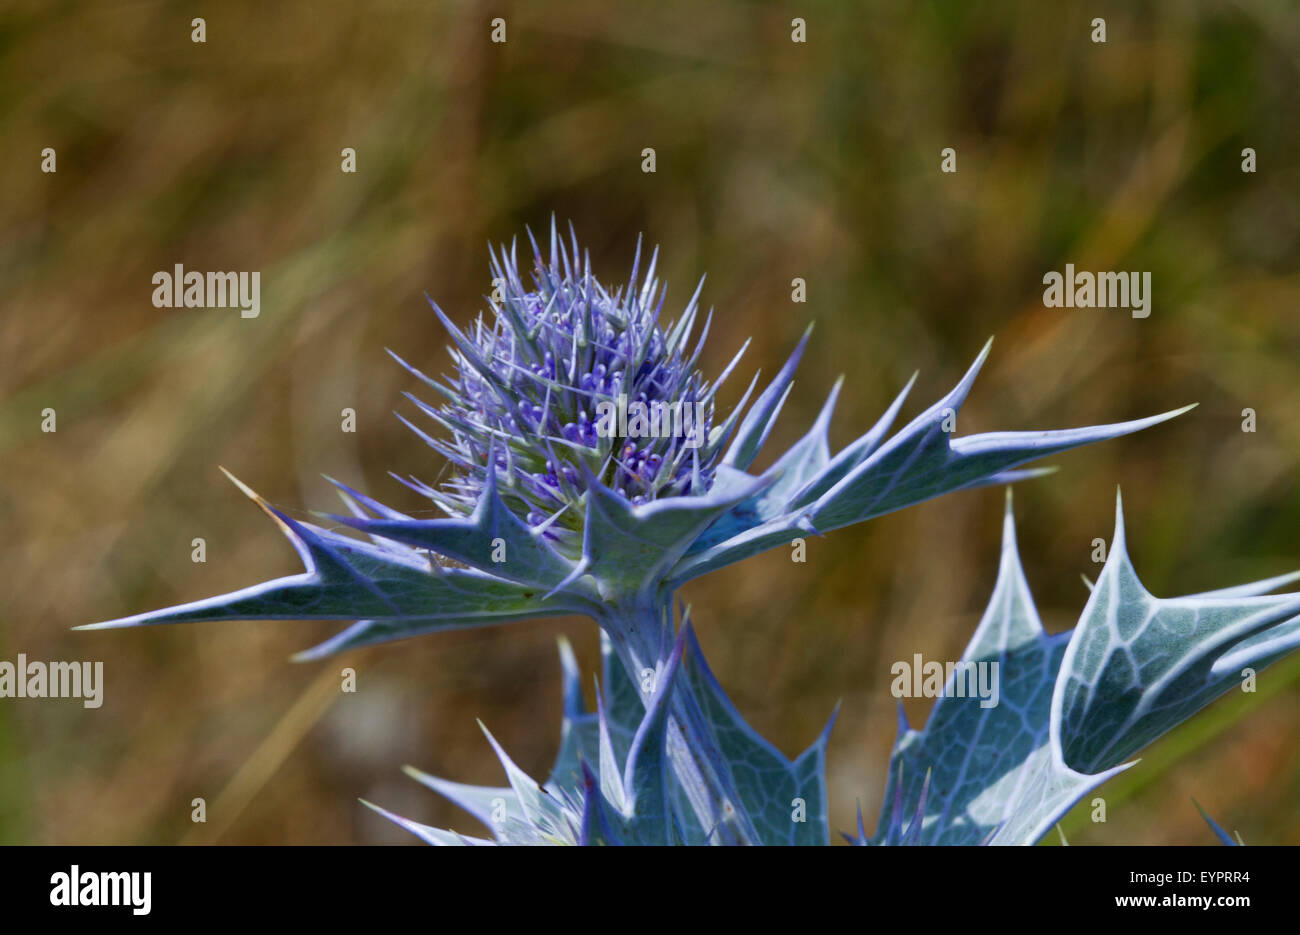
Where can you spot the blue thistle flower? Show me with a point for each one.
(543, 390)
(552, 515)
(557, 508)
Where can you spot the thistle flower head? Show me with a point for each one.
(567, 381)
(570, 495)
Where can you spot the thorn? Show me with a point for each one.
(805, 523)
(247, 491)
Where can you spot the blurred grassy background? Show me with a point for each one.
(775, 160)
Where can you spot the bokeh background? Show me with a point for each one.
(775, 160)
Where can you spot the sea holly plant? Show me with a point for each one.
(593, 472)
(1074, 706)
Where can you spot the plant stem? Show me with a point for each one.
(643, 637)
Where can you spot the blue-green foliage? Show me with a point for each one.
(608, 784)
(973, 775)
(1073, 707)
